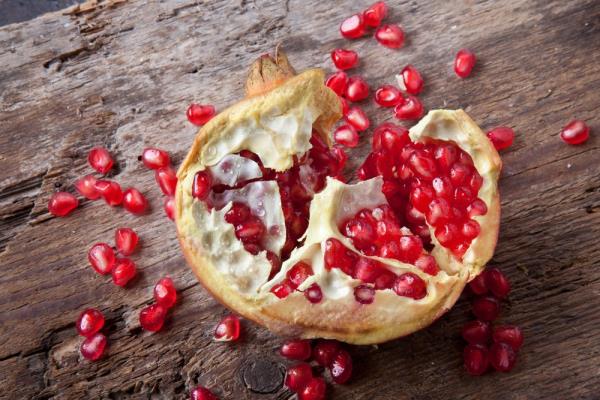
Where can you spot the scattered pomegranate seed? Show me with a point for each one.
(511, 335)
(199, 114)
(353, 27)
(298, 376)
(476, 359)
(313, 293)
(86, 187)
(102, 258)
(477, 332)
(356, 89)
(169, 206)
(410, 285)
(296, 349)
(111, 192)
(126, 239)
(408, 108)
(364, 294)
(123, 271)
(228, 329)
(89, 322)
(167, 180)
(344, 59)
(155, 158)
(202, 184)
(346, 135)
(314, 390)
(202, 393)
(62, 204)
(390, 36)
(501, 137)
(338, 82)
(341, 367)
(502, 357)
(93, 347)
(575, 132)
(100, 159)
(486, 308)
(388, 96)
(375, 14)
(412, 79)
(464, 63)
(497, 282)
(357, 118)
(478, 285)
(165, 293)
(325, 351)
(134, 201)
(152, 317)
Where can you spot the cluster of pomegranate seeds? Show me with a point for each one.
(501, 137)
(100, 159)
(496, 346)
(294, 278)
(88, 325)
(152, 317)
(102, 258)
(464, 63)
(344, 59)
(62, 204)
(200, 114)
(575, 132)
(159, 161)
(228, 329)
(202, 393)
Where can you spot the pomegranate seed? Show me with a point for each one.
(477, 207)
(123, 271)
(390, 36)
(155, 158)
(421, 197)
(470, 229)
(325, 351)
(126, 240)
(447, 234)
(477, 332)
(346, 135)
(341, 367)
(62, 204)
(502, 357)
(486, 308)
(298, 376)
(93, 347)
(299, 272)
(427, 264)
(199, 114)
(409, 108)
(89, 322)
(410, 247)
(228, 329)
(575, 132)
(237, 214)
(202, 184)
(497, 283)
(337, 82)
(476, 359)
(464, 63)
(251, 231)
(478, 284)
(364, 294)
(111, 192)
(102, 258)
(100, 159)
(511, 335)
(86, 187)
(167, 180)
(445, 156)
(345, 105)
(375, 14)
(344, 59)
(313, 293)
(501, 137)
(411, 77)
(388, 96)
(438, 212)
(134, 201)
(314, 390)
(152, 317)
(357, 118)
(353, 27)
(282, 289)
(169, 206)
(357, 89)
(459, 174)
(297, 349)
(410, 285)
(337, 256)
(165, 293)
(202, 393)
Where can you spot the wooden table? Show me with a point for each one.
(122, 76)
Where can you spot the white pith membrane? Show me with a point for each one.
(277, 131)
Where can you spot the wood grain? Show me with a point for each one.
(121, 76)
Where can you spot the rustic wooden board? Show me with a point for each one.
(122, 77)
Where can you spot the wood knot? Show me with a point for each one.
(262, 375)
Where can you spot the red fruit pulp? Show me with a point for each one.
(338, 82)
(388, 96)
(93, 347)
(314, 390)
(476, 359)
(169, 207)
(110, 191)
(575, 132)
(357, 89)
(511, 335)
(413, 81)
(477, 332)
(464, 63)
(298, 376)
(62, 204)
(391, 36)
(409, 108)
(89, 322)
(346, 135)
(154, 158)
(166, 178)
(165, 293)
(502, 357)
(501, 137)
(123, 271)
(126, 239)
(86, 187)
(375, 14)
(353, 27)
(297, 349)
(341, 367)
(134, 201)
(153, 317)
(200, 114)
(344, 59)
(228, 329)
(486, 308)
(102, 258)
(100, 159)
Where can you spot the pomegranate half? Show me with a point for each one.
(272, 234)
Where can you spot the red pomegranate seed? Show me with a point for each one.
(575, 132)
(169, 206)
(346, 135)
(412, 79)
(476, 359)
(93, 347)
(296, 349)
(324, 352)
(427, 264)
(337, 82)
(200, 114)
(421, 197)
(202, 393)
(358, 119)
(102, 258)
(298, 376)
(202, 184)
(344, 59)
(477, 207)
(445, 156)
(89, 322)
(86, 187)
(388, 96)
(345, 105)
(228, 329)
(126, 239)
(501, 137)
(391, 36)
(438, 212)
(409, 108)
(165, 293)
(502, 357)
(478, 284)
(364, 294)
(134, 201)
(62, 204)
(447, 234)
(375, 14)
(410, 247)
(410, 285)
(497, 283)
(299, 273)
(152, 317)
(486, 308)
(511, 335)
(251, 230)
(341, 367)
(167, 180)
(237, 214)
(338, 256)
(314, 390)
(100, 159)
(470, 229)
(111, 192)
(313, 293)
(155, 158)
(353, 27)
(477, 332)
(123, 271)
(464, 63)
(282, 289)
(357, 89)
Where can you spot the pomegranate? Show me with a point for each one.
(353, 27)
(123, 271)
(228, 329)
(165, 293)
(153, 317)
(298, 376)
(391, 36)
(62, 204)
(100, 159)
(126, 240)
(155, 158)
(464, 63)
(575, 132)
(93, 347)
(344, 59)
(86, 187)
(388, 96)
(375, 14)
(501, 137)
(202, 393)
(89, 322)
(356, 89)
(297, 349)
(200, 114)
(134, 201)
(102, 258)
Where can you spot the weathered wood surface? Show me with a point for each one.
(123, 76)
